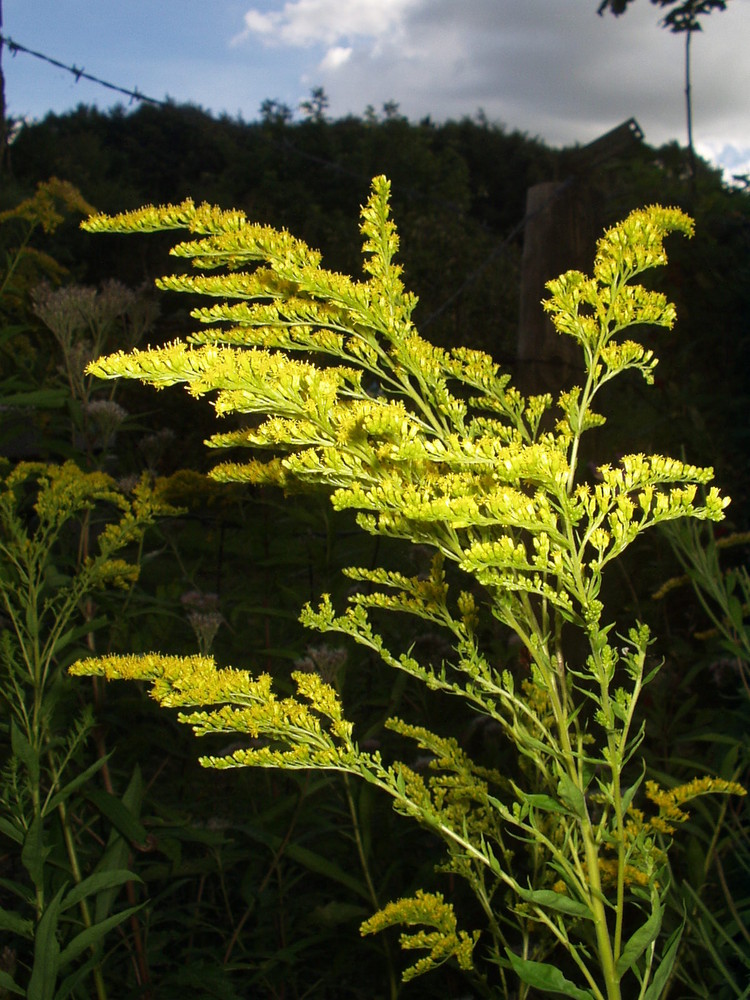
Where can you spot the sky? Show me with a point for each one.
(552, 69)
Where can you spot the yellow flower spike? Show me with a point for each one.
(678, 796)
(179, 680)
(445, 941)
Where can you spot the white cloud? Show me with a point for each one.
(308, 22)
(553, 69)
(733, 160)
(255, 24)
(335, 58)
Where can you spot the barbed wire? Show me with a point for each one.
(79, 74)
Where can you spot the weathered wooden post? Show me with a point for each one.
(563, 220)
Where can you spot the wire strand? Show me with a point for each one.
(79, 74)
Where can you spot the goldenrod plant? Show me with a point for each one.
(60, 903)
(23, 386)
(566, 856)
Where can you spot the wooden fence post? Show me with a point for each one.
(563, 222)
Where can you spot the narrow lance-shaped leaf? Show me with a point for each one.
(644, 936)
(656, 988)
(543, 976)
(46, 952)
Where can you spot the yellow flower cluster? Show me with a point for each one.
(443, 942)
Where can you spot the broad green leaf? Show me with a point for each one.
(46, 953)
(665, 967)
(8, 333)
(94, 934)
(323, 866)
(543, 976)
(640, 940)
(736, 615)
(119, 816)
(556, 901)
(97, 883)
(335, 913)
(572, 796)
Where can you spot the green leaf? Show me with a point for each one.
(312, 861)
(42, 398)
(76, 632)
(24, 751)
(665, 967)
(115, 857)
(92, 935)
(556, 901)
(7, 983)
(640, 940)
(119, 816)
(734, 607)
(546, 977)
(539, 801)
(67, 790)
(97, 883)
(322, 866)
(78, 975)
(334, 914)
(24, 892)
(34, 853)
(629, 793)
(10, 921)
(46, 953)
(572, 796)
(11, 830)
(7, 334)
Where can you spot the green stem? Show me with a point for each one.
(70, 847)
(17, 258)
(392, 985)
(596, 902)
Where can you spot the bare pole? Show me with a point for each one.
(3, 120)
(688, 100)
